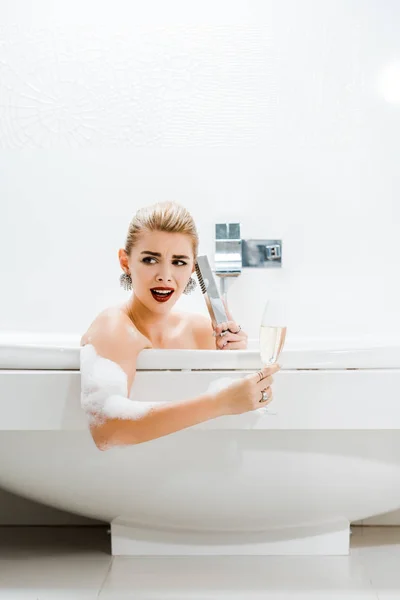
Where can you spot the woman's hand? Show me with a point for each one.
(245, 394)
(233, 337)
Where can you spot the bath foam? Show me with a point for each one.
(104, 390)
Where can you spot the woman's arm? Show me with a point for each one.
(158, 420)
(108, 368)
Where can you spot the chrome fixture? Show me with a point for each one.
(262, 253)
(228, 253)
(232, 254)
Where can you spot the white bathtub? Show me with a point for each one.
(283, 483)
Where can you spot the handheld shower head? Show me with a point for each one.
(210, 291)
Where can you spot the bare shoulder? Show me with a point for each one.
(114, 335)
(201, 328)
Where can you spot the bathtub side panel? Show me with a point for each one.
(303, 399)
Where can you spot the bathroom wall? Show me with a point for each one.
(284, 116)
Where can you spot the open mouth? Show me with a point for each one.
(162, 296)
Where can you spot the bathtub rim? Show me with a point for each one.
(44, 351)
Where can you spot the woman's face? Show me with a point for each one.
(161, 260)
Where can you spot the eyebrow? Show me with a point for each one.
(159, 254)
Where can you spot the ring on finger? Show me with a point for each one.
(261, 375)
(264, 396)
(235, 332)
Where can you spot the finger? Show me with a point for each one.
(224, 327)
(267, 382)
(241, 345)
(217, 330)
(220, 328)
(230, 326)
(265, 403)
(228, 337)
(259, 401)
(233, 338)
(271, 369)
(233, 326)
(265, 372)
(268, 390)
(220, 342)
(264, 383)
(239, 336)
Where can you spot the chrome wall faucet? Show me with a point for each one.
(232, 254)
(228, 254)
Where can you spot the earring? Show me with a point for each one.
(126, 281)
(190, 286)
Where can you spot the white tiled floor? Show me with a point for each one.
(67, 563)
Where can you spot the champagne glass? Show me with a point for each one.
(272, 334)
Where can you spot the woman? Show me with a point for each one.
(157, 262)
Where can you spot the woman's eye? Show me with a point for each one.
(148, 258)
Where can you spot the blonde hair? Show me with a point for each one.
(162, 216)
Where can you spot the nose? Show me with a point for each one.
(165, 275)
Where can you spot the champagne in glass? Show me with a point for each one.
(272, 340)
(272, 334)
